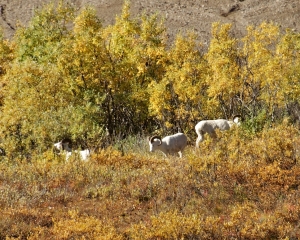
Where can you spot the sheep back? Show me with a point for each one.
(222, 124)
(206, 126)
(175, 143)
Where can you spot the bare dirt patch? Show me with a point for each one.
(179, 15)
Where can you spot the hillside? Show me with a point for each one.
(108, 89)
(179, 15)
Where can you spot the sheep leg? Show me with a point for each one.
(199, 139)
(213, 134)
(165, 155)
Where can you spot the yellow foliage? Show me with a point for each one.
(84, 227)
(169, 225)
(224, 79)
(227, 190)
(59, 81)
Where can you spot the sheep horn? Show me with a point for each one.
(155, 137)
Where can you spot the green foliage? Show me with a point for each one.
(41, 40)
(256, 124)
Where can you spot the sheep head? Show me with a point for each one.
(65, 144)
(237, 119)
(153, 143)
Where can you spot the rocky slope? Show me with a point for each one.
(180, 15)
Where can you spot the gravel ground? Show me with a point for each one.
(179, 15)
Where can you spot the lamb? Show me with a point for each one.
(66, 146)
(169, 145)
(209, 126)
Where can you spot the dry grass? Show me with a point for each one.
(236, 188)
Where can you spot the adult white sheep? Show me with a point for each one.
(65, 146)
(169, 145)
(209, 127)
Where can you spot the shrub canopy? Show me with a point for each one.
(66, 75)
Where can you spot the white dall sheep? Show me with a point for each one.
(66, 146)
(209, 127)
(169, 145)
(84, 154)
